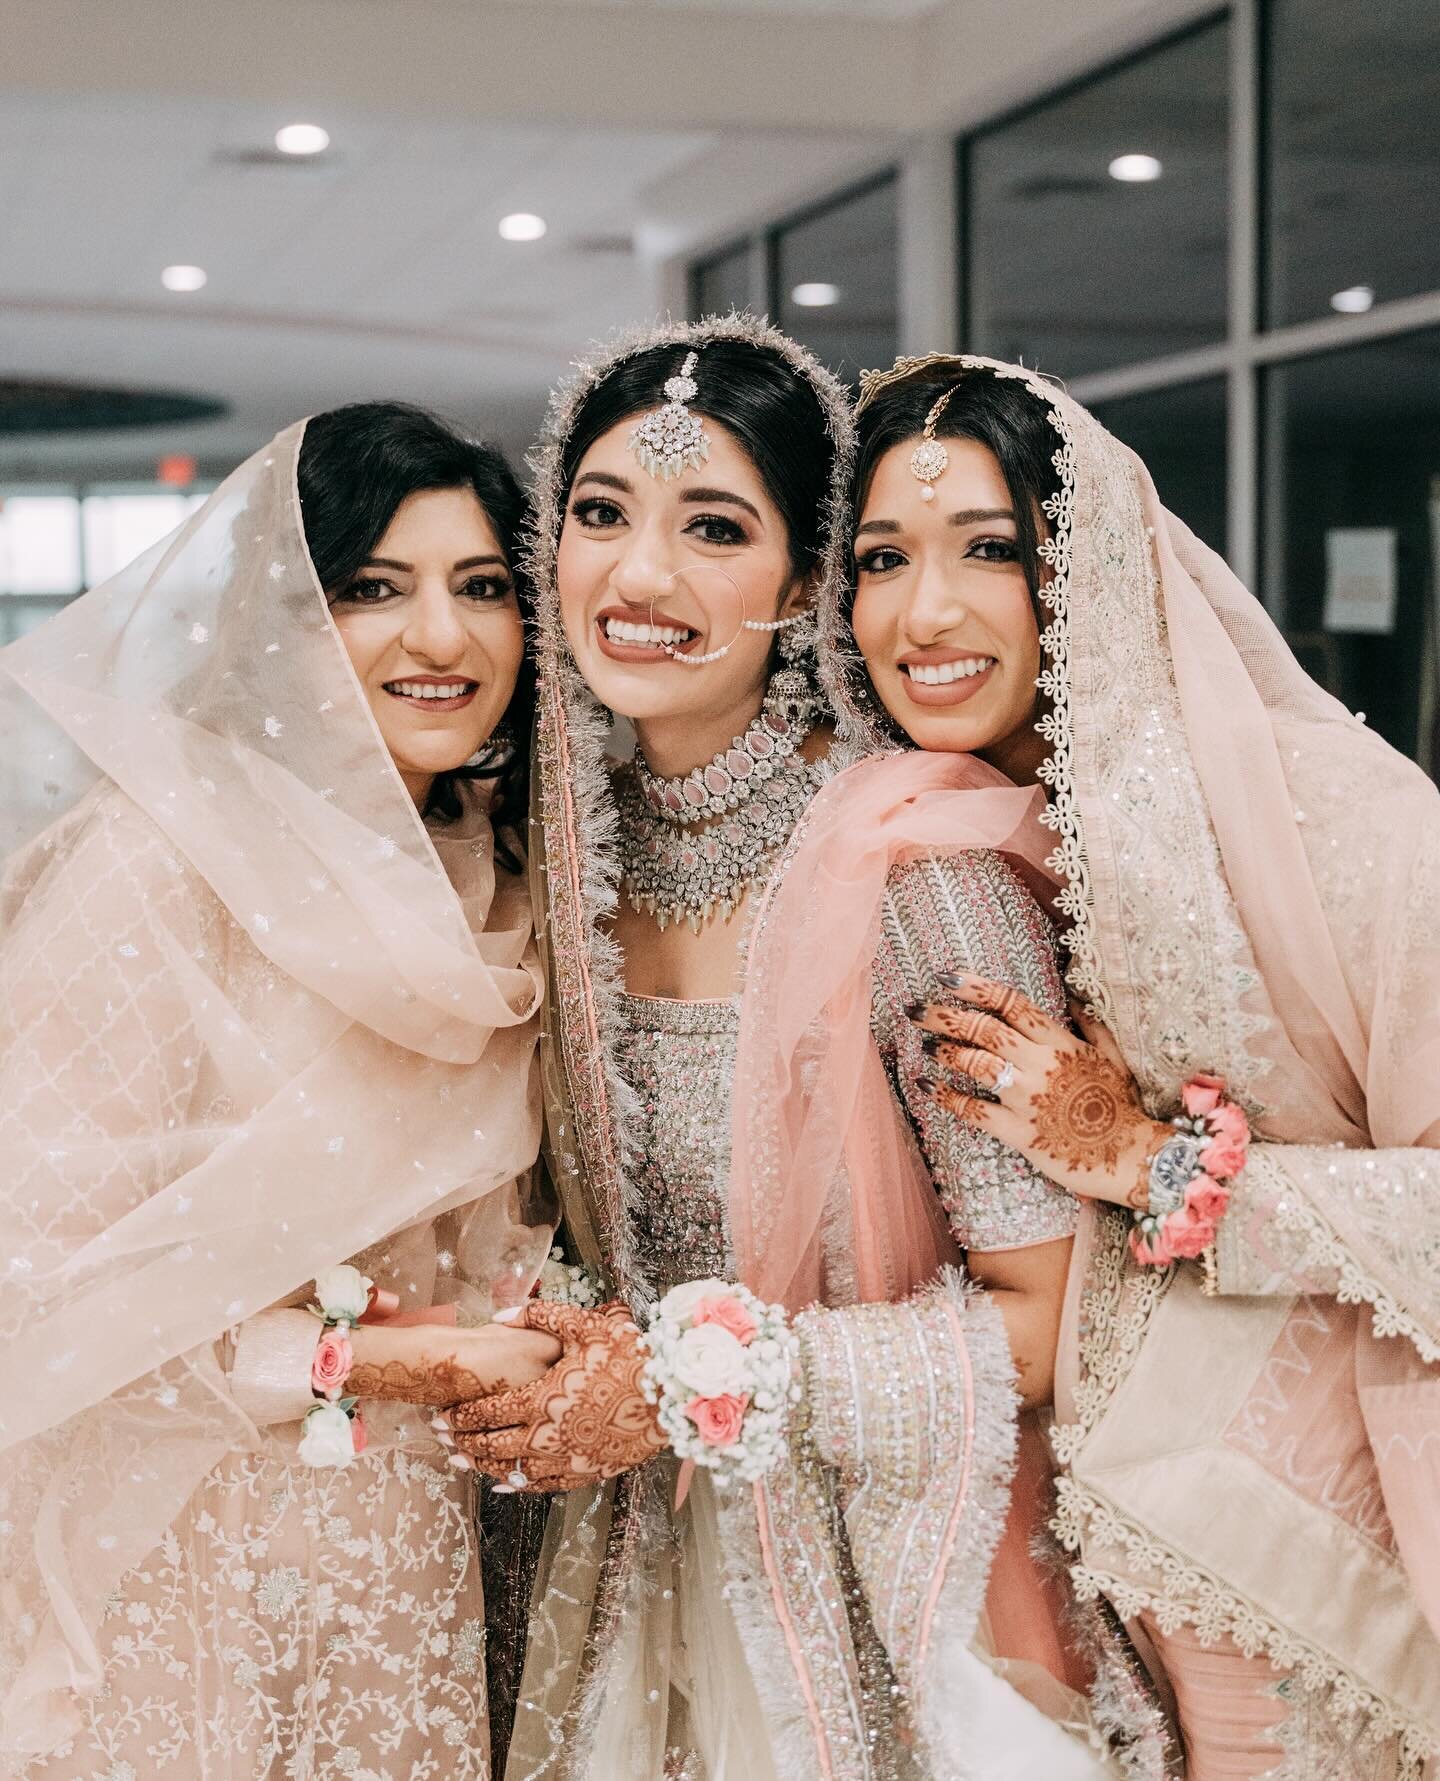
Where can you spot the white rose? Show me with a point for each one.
(325, 1437)
(710, 1361)
(680, 1301)
(343, 1291)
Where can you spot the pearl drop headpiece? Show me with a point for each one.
(671, 439)
(930, 460)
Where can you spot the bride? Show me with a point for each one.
(267, 999)
(819, 1621)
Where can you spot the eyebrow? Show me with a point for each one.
(606, 481)
(409, 568)
(694, 497)
(966, 516)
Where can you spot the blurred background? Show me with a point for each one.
(1220, 226)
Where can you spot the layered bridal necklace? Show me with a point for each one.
(750, 796)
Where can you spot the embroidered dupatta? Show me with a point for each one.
(196, 789)
(1251, 876)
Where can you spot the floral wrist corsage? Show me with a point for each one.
(333, 1432)
(723, 1373)
(1190, 1176)
(566, 1283)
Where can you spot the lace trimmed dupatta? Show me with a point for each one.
(1251, 876)
(198, 785)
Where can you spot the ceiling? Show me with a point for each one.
(854, 9)
(139, 135)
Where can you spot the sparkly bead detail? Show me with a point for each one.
(734, 775)
(677, 876)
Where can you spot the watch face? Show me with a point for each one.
(1175, 1166)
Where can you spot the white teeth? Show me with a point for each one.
(619, 630)
(942, 673)
(422, 689)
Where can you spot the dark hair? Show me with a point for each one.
(997, 412)
(357, 464)
(771, 408)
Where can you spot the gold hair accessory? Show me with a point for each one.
(930, 460)
(671, 439)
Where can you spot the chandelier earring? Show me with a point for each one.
(792, 692)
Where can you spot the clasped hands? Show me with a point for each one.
(547, 1399)
(582, 1421)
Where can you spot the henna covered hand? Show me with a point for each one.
(1067, 1103)
(585, 1421)
(438, 1365)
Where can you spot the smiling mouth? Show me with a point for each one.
(942, 673)
(629, 641)
(434, 695)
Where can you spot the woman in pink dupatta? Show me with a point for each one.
(1251, 1444)
(260, 1017)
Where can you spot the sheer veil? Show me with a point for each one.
(196, 792)
(1250, 877)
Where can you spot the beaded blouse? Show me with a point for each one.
(961, 912)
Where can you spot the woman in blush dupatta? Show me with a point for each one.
(260, 1016)
(1250, 1441)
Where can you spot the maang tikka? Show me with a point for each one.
(930, 460)
(671, 439)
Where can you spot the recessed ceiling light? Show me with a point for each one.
(1354, 300)
(1135, 169)
(302, 139)
(183, 278)
(815, 296)
(522, 225)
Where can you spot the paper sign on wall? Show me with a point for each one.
(1360, 579)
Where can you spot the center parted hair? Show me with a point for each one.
(357, 465)
(996, 412)
(743, 385)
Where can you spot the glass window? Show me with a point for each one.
(1098, 221)
(117, 528)
(838, 278)
(722, 284)
(1352, 527)
(39, 544)
(1180, 433)
(1353, 179)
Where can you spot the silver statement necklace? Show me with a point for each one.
(735, 774)
(675, 875)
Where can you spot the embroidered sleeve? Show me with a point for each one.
(915, 1405)
(959, 912)
(1276, 1237)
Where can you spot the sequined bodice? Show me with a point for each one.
(679, 1057)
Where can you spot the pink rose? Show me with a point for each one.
(730, 1314)
(1185, 1235)
(1201, 1095)
(359, 1434)
(717, 1420)
(1221, 1160)
(1149, 1255)
(1207, 1199)
(1229, 1124)
(331, 1364)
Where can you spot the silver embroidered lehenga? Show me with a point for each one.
(827, 1621)
(1251, 876)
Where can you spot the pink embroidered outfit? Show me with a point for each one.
(825, 1622)
(255, 1018)
(1251, 1465)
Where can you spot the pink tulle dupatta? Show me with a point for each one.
(812, 1105)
